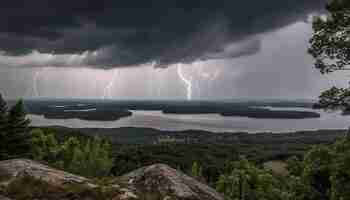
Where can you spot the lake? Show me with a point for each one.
(208, 122)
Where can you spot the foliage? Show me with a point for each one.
(326, 169)
(294, 166)
(44, 146)
(316, 171)
(335, 98)
(91, 158)
(14, 132)
(330, 47)
(211, 157)
(323, 174)
(197, 170)
(340, 171)
(244, 181)
(330, 42)
(3, 124)
(18, 137)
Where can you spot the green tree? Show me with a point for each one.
(67, 152)
(295, 189)
(197, 170)
(340, 174)
(92, 158)
(44, 146)
(317, 169)
(3, 125)
(17, 134)
(326, 169)
(3, 112)
(330, 42)
(330, 47)
(294, 166)
(86, 157)
(244, 181)
(98, 159)
(325, 173)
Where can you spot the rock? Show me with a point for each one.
(156, 182)
(27, 179)
(126, 194)
(20, 167)
(4, 198)
(163, 182)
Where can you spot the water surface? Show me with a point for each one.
(209, 122)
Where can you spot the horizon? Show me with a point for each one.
(168, 100)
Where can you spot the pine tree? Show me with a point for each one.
(3, 125)
(17, 135)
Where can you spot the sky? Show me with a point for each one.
(158, 49)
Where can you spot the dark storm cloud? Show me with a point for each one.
(125, 33)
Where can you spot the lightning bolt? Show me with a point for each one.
(36, 76)
(107, 92)
(186, 81)
(160, 84)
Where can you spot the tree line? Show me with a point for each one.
(322, 174)
(90, 157)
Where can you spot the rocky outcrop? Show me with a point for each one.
(163, 182)
(4, 198)
(21, 167)
(156, 182)
(23, 179)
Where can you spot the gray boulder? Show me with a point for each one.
(163, 182)
(4, 198)
(16, 168)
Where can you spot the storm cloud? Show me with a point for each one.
(109, 33)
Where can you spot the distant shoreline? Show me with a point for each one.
(201, 130)
(114, 110)
(132, 135)
(251, 117)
